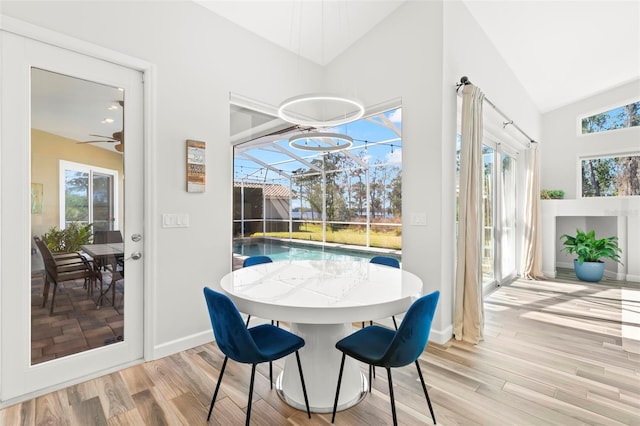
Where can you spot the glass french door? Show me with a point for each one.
(37, 354)
(499, 213)
(90, 196)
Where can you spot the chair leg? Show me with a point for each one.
(53, 297)
(335, 402)
(393, 400)
(248, 319)
(426, 394)
(395, 324)
(270, 374)
(304, 388)
(370, 368)
(45, 291)
(253, 376)
(215, 394)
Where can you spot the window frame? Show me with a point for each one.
(65, 165)
(582, 158)
(609, 107)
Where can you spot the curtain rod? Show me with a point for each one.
(464, 80)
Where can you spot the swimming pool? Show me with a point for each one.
(279, 250)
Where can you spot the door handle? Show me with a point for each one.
(135, 255)
(136, 237)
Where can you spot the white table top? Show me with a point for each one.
(322, 292)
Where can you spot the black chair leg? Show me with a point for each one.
(270, 374)
(335, 403)
(253, 376)
(426, 394)
(304, 387)
(393, 400)
(370, 368)
(395, 324)
(248, 319)
(215, 394)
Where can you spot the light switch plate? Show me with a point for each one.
(419, 219)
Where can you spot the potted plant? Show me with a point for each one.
(552, 194)
(590, 250)
(68, 239)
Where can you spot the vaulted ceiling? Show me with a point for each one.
(561, 51)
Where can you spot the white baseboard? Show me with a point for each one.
(182, 344)
(441, 336)
(549, 274)
(632, 278)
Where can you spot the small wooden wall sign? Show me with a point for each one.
(196, 168)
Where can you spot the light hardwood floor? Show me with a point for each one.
(555, 352)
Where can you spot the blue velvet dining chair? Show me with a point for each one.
(387, 348)
(256, 260)
(263, 343)
(387, 261)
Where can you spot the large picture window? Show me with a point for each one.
(614, 176)
(350, 196)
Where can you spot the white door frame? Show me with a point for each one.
(18, 253)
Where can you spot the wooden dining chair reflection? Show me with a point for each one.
(60, 267)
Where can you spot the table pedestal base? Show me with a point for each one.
(321, 364)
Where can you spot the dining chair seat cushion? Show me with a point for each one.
(247, 345)
(403, 346)
(368, 344)
(273, 342)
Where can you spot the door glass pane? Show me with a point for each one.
(102, 202)
(76, 197)
(508, 226)
(488, 193)
(77, 153)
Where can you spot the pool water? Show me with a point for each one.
(280, 250)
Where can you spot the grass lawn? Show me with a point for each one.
(348, 235)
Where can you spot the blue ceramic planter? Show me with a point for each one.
(589, 271)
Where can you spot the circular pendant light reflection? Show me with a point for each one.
(348, 109)
(342, 141)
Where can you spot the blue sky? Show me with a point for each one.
(365, 135)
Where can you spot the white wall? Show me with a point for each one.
(401, 57)
(418, 54)
(560, 169)
(563, 144)
(468, 52)
(199, 59)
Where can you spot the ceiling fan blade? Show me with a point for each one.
(114, 141)
(103, 136)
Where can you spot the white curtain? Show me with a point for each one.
(469, 311)
(532, 262)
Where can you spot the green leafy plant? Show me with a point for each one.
(590, 249)
(69, 239)
(552, 194)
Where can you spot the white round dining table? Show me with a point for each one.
(321, 299)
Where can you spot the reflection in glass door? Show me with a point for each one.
(77, 295)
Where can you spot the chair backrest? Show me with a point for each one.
(50, 266)
(386, 260)
(232, 336)
(256, 260)
(103, 237)
(413, 334)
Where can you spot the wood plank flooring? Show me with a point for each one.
(555, 353)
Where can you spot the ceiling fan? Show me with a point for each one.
(116, 137)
